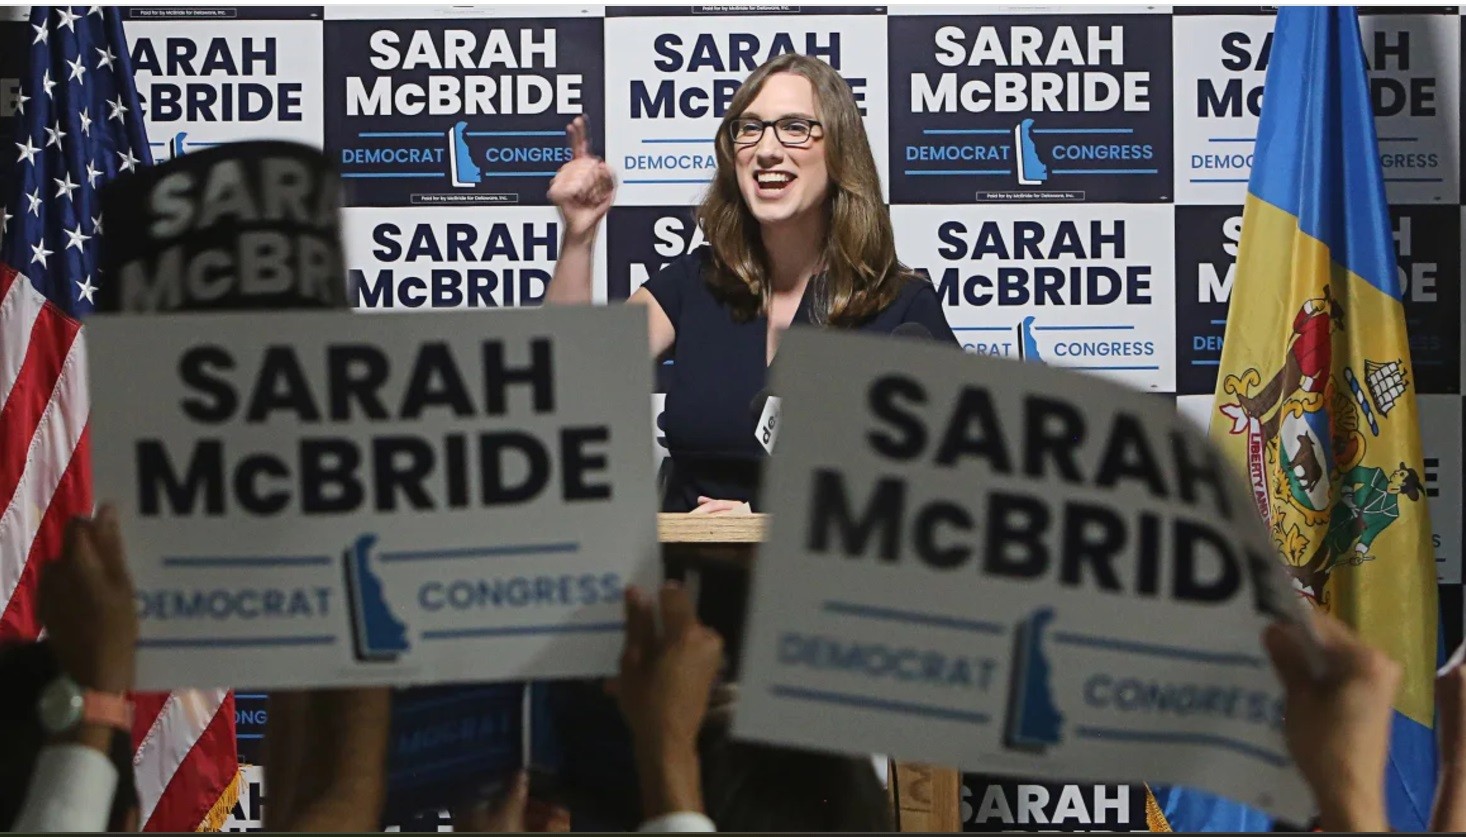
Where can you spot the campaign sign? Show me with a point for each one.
(1463, 303)
(251, 715)
(1086, 287)
(14, 58)
(641, 240)
(310, 499)
(240, 226)
(248, 813)
(210, 75)
(1196, 409)
(1414, 82)
(1207, 238)
(452, 112)
(1044, 575)
(1428, 257)
(993, 804)
(1440, 441)
(1026, 108)
(1428, 253)
(674, 71)
(449, 744)
(419, 258)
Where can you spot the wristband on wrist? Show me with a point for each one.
(66, 705)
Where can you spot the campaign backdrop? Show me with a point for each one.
(1071, 179)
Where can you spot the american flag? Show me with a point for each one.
(78, 125)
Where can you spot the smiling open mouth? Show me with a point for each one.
(773, 179)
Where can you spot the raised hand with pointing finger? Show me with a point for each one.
(583, 188)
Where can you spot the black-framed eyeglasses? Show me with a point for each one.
(790, 130)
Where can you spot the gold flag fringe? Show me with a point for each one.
(214, 820)
(1155, 818)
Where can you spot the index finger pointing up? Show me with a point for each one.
(579, 137)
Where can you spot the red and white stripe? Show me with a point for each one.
(45, 476)
(180, 737)
(185, 756)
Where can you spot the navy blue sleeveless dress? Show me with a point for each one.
(718, 369)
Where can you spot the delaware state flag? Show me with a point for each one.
(1315, 394)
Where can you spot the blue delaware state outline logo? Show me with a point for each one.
(377, 634)
(1078, 287)
(1030, 108)
(1034, 722)
(674, 70)
(202, 82)
(458, 112)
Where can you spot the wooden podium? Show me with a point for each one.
(923, 797)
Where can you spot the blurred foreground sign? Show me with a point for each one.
(1011, 569)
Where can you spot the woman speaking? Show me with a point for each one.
(797, 235)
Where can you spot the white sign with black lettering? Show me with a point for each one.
(438, 257)
(204, 81)
(1044, 575)
(671, 77)
(1082, 286)
(317, 500)
(1221, 62)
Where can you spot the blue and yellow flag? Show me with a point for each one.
(1315, 394)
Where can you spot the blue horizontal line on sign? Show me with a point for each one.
(1105, 368)
(1231, 139)
(1218, 322)
(474, 697)
(1171, 651)
(1218, 180)
(515, 133)
(672, 141)
(246, 560)
(238, 696)
(963, 131)
(1242, 747)
(519, 174)
(1106, 171)
(1415, 179)
(1085, 328)
(236, 642)
(400, 174)
(525, 630)
(1084, 130)
(205, 144)
(914, 617)
(250, 736)
(701, 180)
(397, 134)
(947, 172)
(501, 551)
(414, 775)
(1203, 362)
(1398, 139)
(981, 328)
(862, 702)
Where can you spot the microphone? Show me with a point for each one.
(766, 407)
(912, 330)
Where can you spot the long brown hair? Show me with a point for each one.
(862, 275)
